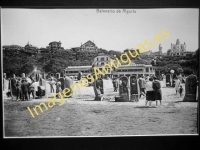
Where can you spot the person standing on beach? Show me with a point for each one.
(62, 79)
(58, 87)
(32, 89)
(164, 80)
(12, 86)
(142, 83)
(25, 88)
(52, 82)
(115, 84)
(157, 90)
(18, 88)
(149, 92)
(181, 90)
(177, 84)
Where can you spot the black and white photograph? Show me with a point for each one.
(99, 72)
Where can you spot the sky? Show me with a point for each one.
(111, 30)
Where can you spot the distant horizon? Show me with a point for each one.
(108, 29)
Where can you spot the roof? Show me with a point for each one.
(29, 45)
(78, 68)
(55, 42)
(133, 65)
(102, 54)
(88, 42)
(43, 48)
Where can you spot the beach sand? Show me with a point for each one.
(82, 116)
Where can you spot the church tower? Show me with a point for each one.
(177, 42)
(160, 49)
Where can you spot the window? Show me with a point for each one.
(147, 69)
(97, 59)
(102, 59)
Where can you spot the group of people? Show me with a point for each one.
(153, 91)
(178, 86)
(59, 83)
(149, 87)
(21, 88)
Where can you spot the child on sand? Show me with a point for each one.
(181, 90)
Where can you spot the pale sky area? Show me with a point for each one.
(110, 31)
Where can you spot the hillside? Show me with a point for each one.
(18, 62)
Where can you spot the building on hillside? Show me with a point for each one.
(100, 61)
(134, 69)
(177, 49)
(53, 46)
(89, 46)
(30, 48)
(169, 52)
(159, 52)
(72, 71)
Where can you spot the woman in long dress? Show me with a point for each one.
(177, 84)
(157, 90)
(164, 80)
(52, 83)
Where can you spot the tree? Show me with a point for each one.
(180, 70)
(187, 71)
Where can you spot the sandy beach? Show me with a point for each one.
(82, 116)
